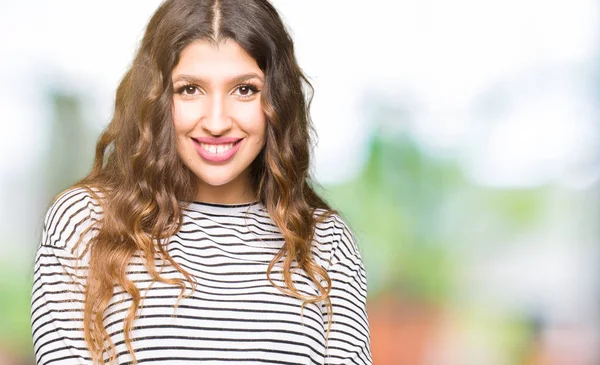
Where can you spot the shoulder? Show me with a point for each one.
(343, 260)
(73, 215)
(334, 235)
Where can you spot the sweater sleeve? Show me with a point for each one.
(349, 339)
(57, 299)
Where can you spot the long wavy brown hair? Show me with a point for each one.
(142, 185)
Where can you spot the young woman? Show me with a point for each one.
(196, 237)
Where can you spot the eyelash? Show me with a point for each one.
(181, 90)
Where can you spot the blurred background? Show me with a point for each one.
(460, 140)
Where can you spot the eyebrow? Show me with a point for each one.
(233, 80)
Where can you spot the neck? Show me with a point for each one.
(238, 191)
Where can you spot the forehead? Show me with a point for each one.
(215, 61)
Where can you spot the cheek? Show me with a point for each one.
(254, 122)
(184, 116)
(258, 131)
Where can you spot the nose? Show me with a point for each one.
(216, 120)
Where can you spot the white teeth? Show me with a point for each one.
(214, 149)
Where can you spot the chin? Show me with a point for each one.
(214, 181)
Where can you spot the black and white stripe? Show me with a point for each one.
(235, 316)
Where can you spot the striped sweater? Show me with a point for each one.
(234, 316)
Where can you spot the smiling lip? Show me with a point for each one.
(217, 149)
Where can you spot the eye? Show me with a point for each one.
(246, 90)
(188, 90)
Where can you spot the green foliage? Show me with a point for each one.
(413, 215)
(15, 291)
(71, 152)
(68, 158)
(393, 207)
(520, 208)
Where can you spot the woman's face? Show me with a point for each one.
(218, 118)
